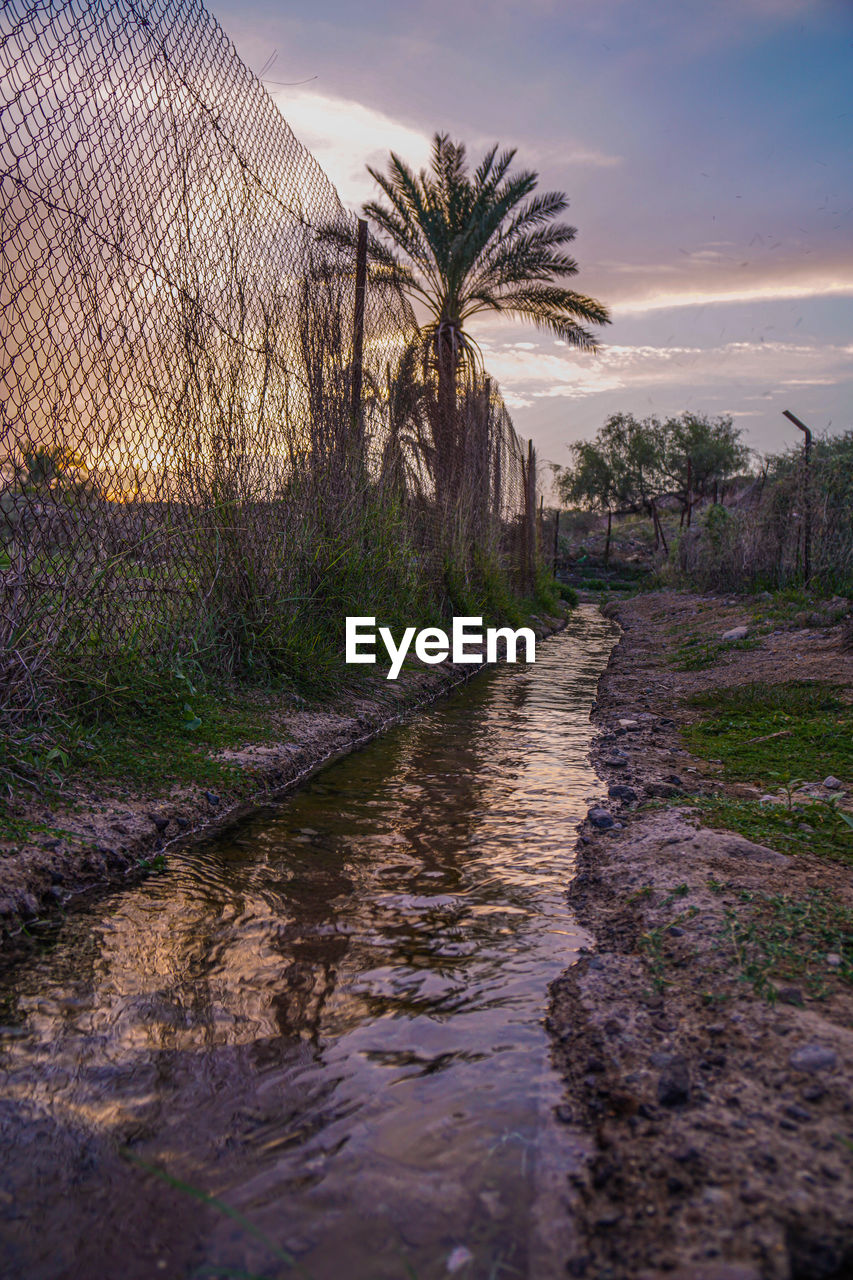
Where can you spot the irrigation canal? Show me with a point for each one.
(325, 1029)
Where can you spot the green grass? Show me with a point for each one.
(138, 726)
(697, 653)
(782, 938)
(769, 734)
(780, 828)
(17, 833)
(787, 603)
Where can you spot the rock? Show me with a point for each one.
(813, 1057)
(674, 1082)
(211, 798)
(615, 761)
(564, 1114)
(798, 1113)
(459, 1258)
(600, 818)
(629, 724)
(833, 959)
(790, 995)
(832, 784)
(160, 823)
(673, 778)
(728, 844)
(663, 790)
(736, 633)
(618, 791)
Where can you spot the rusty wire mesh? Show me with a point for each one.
(180, 464)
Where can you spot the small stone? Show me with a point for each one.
(673, 779)
(459, 1258)
(674, 1082)
(564, 1114)
(798, 1113)
(833, 959)
(832, 784)
(600, 818)
(736, 633)
(675, 931)
(814, 1093)
(160, 823)
(629, 724)
(615, 761)
(618, 791)
(211, 798)
(813, 1057)
(663, 790)
(790, 995)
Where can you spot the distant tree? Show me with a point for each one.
(52, 467)
(631, 464)
(618, 472)
(699, 453)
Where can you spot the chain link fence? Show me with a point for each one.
(186, 465)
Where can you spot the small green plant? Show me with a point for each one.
(787, 938)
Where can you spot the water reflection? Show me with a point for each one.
(331, 1019)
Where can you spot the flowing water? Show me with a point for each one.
(330, 1020)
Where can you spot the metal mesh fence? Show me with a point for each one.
(181, 460)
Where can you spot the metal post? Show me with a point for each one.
(532, 515)
(358, 321)
(807, 496)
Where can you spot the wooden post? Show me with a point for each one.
(607, 543)
(659, 533)
(556, 538)
(689, 489)
(358, 322)
(807, 496)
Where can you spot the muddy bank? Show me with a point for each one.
(110, 832)
(718, 1109)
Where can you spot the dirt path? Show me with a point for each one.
(720, 1114)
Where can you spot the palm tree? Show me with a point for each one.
(462, 244)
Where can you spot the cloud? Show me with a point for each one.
(765, 291)
(547, 373)
(345, 136)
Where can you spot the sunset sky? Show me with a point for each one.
(707, 151)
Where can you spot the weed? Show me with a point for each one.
(696, 653)
(771, 733)
(788, 938)
(771, 825)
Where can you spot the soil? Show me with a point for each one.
(111, 832)
(719, 1121)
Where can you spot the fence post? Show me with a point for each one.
(358, 322)
(556, 537)
(530, 513)
(807, 494)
